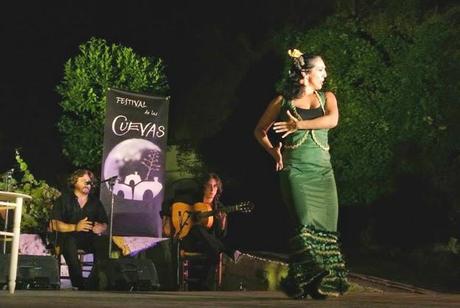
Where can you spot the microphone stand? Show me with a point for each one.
(6, 177)
(112, 199)
(182, 224)
(176, 241)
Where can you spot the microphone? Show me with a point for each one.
(111, 179)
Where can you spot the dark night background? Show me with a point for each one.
(39, 38)
(210, 49)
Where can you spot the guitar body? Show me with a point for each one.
(183, 220)
(184, 216)
(201, 207)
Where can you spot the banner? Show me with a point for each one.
(133, 165)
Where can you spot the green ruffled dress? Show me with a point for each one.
(309, 192)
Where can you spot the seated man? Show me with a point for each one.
(201, 237)
(80, 220)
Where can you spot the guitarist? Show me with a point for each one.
(200, 237)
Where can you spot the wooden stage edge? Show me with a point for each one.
(70, 298)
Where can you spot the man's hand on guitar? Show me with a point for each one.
(221, 215)
(184, 215)
(222, 218)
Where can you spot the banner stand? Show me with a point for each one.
(133, 164)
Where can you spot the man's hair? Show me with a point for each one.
(73, 178)
(214, 176)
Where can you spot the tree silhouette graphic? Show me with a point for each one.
(152, 162)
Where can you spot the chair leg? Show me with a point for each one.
(58, 258)
(186, 267)
(184, 264)
(219, 271)
(86, 266)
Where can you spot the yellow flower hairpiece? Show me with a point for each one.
(294, 53)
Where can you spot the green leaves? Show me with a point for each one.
(35, 213)
(83, 90)
(393, 72)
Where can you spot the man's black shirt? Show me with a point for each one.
(67, 209)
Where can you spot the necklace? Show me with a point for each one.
(305, 135)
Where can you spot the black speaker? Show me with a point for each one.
(33, 272)
(255, 273)
(130, 274)
(164, 256)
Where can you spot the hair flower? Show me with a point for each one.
(294, 53)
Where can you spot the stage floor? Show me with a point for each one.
(70, 298)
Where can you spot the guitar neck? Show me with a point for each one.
(227, 209)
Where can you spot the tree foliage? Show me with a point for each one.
(394, 73)
(35, 213)
(87, 77)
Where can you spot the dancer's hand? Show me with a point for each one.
(275, 152)
(286, 127)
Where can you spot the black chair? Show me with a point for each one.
(191, 262)
(194, 268)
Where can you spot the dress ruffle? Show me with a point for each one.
(316, 262)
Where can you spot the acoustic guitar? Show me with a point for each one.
(184, 216)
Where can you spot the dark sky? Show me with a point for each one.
(38, 38)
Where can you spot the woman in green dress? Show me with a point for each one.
(303, 116)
